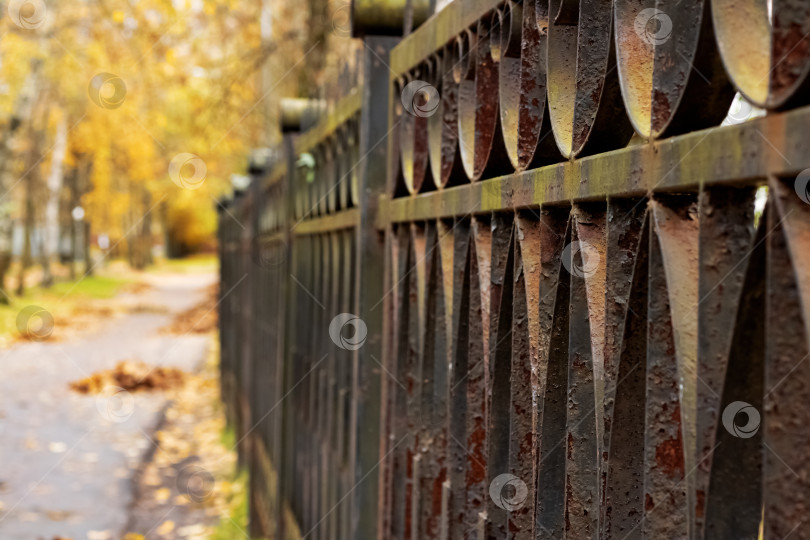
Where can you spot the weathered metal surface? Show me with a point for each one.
(444, 27)
(404, 279)
(730, 155)
(520, 520)
(726, 235)
(458, 383)
(672, 78)
(608, 333)
(765, 49)
(433, 384)
(669, 459)
(785, 467)
(551, 436)
(478, 379)
(583, 86)
(585, 265)
(489, 152)
(730, 511)
(500, 368)
(412, 377)
(443, 127)
(464, 67)
(524, 118)
(413, 130)
(662, 75)
(626, 371)
(526, 371)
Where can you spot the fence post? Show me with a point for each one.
(366, 401)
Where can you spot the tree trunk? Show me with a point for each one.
(21, 115)
(28, 227)
(50, 242)
(88, 260)
(146, 230)
(6, 230)
(33, 182)
(74, 244)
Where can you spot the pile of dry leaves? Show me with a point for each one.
(200, 319)
(131, 376)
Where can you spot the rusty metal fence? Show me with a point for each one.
(521, 283)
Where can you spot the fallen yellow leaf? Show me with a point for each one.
(166, 527)
(162, 494)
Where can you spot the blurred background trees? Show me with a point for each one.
(98, 96)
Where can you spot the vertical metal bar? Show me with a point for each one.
(584, 259)
(498, 425)
(405, 280)
(414, 376)
(346, 368)
(433, 382)
(287, 312)
(733, 500)
(554, 290)
(390, 386)
(477, 487)
(726, 234)
(626, 371)
(525, 278)
(786, 438)
(626, 220)
(530, 237)
(366, 387)
(326, 359)
(457, 402)
(671, 370)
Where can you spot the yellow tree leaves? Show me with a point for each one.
(139, 83)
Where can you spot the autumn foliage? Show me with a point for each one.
(98, 97)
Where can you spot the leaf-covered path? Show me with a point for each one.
(67, 460)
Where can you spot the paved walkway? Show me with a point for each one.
(67, 460)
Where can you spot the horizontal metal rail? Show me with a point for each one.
(743, 154)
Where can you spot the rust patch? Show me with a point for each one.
(700, 504)
(669, 453)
